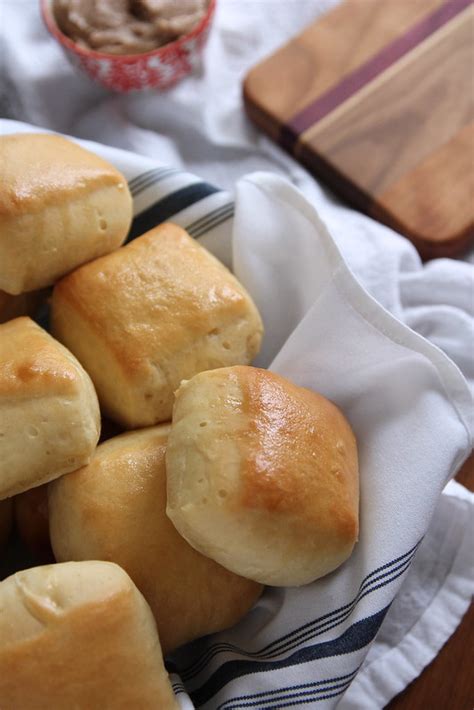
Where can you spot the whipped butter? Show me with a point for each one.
(127, 26)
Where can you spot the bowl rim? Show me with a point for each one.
(168, 48)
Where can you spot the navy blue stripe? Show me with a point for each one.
(271, 694)
(307, 695)
(311, 700)
(177, 691)
(330, 614)
(306, 631)
(323, 627)
(210, 216)
(154, 180)
(215, 223)
(150, 183)
(143, 177)
(360, 634)
(338, 623)
(328, 625)
(331, 623)
(169, 206)
(309, 624)
(135, 185)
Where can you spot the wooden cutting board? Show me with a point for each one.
(377, 99)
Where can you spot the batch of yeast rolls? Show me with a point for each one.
(225, 477)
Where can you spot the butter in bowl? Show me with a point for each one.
(131, 45)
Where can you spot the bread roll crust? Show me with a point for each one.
(49, 413)
(114, 509)
(60, 206)
(150, 314)
(262, 476)
(33, 364)
(79, 635)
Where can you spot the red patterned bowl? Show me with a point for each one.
(158, 69)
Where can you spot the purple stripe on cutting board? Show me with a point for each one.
(355, 81)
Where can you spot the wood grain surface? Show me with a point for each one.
(398, 120)
(426, 192)
(377, 99)
(326, 51)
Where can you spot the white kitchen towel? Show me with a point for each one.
(410, 408)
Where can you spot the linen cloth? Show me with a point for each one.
(410, 408)
(200, 124)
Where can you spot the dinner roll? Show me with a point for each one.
(114, 509)
(60, 206)
(262, 476)
(32, 523)
(49, 413)
(79, 635)
(6, 517)
(152, 313)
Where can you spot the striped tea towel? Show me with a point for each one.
(409, 406)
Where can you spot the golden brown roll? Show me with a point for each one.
(6, 517)
(49, 413)
(262, 476)
(152, 313)
(114, 509)
(79, 635)
(60, 206)
(32, 523)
